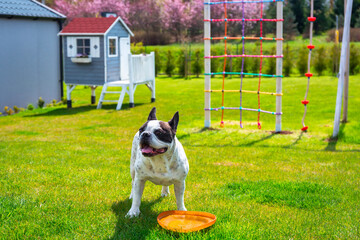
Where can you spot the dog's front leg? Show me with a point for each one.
(179, 189)
(137, 191)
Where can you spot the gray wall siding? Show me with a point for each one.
(113, 63)
(29, 61)
(85, 74)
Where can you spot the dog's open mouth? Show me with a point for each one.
(149, 151)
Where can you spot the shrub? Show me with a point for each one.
(254, 64)
(215, 62)
(16, 109)
(137, 48)
(319, 60)
(41, 103)
(64, 100)
(157, 62)
(7, 110)
(181, 62)
(197, 65)
(302, 60)
(53, 102)
(30, 107)
(228, 66)
(271, 63)
(334, 58)
(169, 64)
(354, 59)
(238, 65)
(288, 61)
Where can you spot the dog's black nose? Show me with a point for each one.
(145, 135)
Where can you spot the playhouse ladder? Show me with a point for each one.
(122, 84)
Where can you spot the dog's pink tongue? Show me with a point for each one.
(147, 149)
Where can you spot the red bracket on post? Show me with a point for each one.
(310, 46)
(308, 74)
(304, 128)
(311, 19)
(305, 102)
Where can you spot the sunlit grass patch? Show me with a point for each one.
(304, 195)
(26, 133)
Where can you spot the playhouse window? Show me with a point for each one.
(112, 46)
(83, 46)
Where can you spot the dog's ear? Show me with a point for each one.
(152, 115)
(174, 122)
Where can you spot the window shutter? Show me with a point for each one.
(71, 46)
(95, 47)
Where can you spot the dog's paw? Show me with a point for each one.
(165, 192)
(182, 208)
(133, 213)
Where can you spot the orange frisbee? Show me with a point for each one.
(185, 221)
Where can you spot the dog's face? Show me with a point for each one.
(156, 137)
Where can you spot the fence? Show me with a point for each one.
(142, 67)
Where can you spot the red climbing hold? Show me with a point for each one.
(310, 46)
(305, 102)
(304, 128)
(222, 124)
(311, 19)
(308, 74)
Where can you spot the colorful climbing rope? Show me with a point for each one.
(243, 20)
(311, 19)
(261, 60)
(242, 62)
(241, 73)
(224, 68)
(244, 55)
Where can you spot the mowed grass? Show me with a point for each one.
(65, 172)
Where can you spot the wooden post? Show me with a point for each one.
(93, 96)
(132, 81)
(69, 89)
(153, 77)
(345, 41)
(279, 63)
(207, 46)
(346, 76)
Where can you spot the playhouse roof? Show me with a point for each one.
(92, 26)
(27, 8)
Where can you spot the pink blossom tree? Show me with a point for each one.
(176, 17)
(145, 15)
(180, 18)
(91, 8)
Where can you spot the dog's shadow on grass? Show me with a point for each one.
(137, 227)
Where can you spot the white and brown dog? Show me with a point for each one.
(157, 156)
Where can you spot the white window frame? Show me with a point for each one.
(116, 47)
(83, 38)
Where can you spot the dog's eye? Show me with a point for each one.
(158, 132)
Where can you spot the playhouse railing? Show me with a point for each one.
(142, 67)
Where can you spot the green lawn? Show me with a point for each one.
(65, 172)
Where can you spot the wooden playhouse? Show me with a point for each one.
(97, 53)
